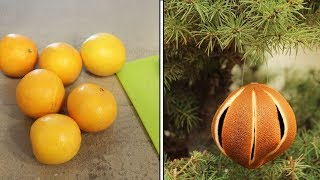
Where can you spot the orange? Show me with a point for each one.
(18, 55)
(63, 59)
(40, 92)
(254, 125)
(103, 54)
(92, 107)
(55, 138)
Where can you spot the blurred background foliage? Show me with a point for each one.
(301, 161)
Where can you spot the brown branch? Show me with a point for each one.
(175, 173)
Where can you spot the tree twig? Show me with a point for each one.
(175, 173)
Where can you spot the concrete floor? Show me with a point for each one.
(124, 151)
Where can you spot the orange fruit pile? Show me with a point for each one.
(56, 138)
(82, 107)
(63, 59)
(103, 54)
(18, 55)
(40, 92)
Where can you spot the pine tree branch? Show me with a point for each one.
(183, 110)
(172, 72)
(300, 161)
(200, 37)
(183, 168)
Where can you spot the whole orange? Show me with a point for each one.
(55, 138)
(18, 55)
(40, 92)
(92, 107)
(63, 59)
(103, 54)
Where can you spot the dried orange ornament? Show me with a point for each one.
(254, 125)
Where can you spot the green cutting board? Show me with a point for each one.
(140, 80)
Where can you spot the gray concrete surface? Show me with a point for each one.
(123, 151)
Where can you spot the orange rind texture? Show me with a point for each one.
(254, 125)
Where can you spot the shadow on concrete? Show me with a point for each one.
(19, 136)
